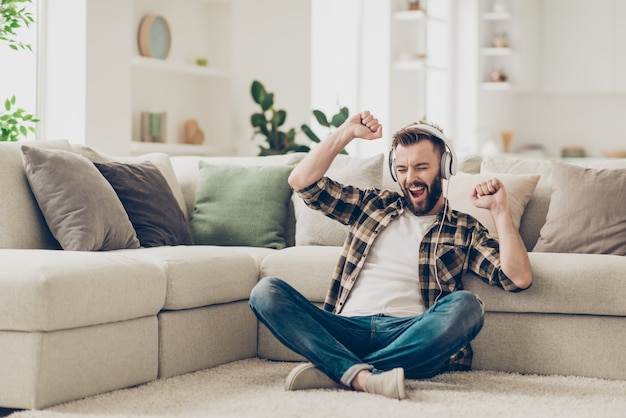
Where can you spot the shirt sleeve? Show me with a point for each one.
(484, 261)
(337, 201)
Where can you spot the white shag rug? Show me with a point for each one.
(255, 388)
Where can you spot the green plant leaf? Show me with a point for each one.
(309, 132)
(257, 120)
(340, 117)
(279, 117)
(258, 92)
(7, 104)
(321, 118)
(297, 148)
(267, 102)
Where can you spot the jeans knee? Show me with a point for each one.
(264, 292)
(471, 306)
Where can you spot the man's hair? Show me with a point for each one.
(411, 134)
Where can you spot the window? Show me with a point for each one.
(18, 69)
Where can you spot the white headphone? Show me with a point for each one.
(448, 162)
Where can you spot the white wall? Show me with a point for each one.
(64, 95)
(272, 44)
(87, 85)
(593, 121)
(108, 93)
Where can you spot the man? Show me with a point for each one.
(395, 307)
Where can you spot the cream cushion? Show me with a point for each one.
(519, 190)
(201, 275)
(587, 212)
(44, 290)
(312, 227)
(535, 214)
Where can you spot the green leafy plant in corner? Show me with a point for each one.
(14, 16)
(268, 123)
(14, 121)
(331, 123)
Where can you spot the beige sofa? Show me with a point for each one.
(74, 324)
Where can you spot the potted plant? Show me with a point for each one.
(14, 122)
(269, 122)
(331, 123)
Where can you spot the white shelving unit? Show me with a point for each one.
(179, 87)
(419, 62)
(497, 33)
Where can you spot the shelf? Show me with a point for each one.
(493, 52)
(178, 68)
(409, 15)
(498, 86)
(497, 16)
(138, 148)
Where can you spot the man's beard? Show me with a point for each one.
(433, 191)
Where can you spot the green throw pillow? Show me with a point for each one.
(241, 206)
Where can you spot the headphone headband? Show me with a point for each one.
(448, 163)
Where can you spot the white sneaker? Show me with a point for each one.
(307, 376)
(389, 384)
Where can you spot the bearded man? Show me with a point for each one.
(395, 308)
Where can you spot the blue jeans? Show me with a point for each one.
(342, 346)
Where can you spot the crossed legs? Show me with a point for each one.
(344, 347)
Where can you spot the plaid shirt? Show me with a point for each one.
(464, 245)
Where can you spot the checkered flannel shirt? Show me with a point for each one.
(464, 245)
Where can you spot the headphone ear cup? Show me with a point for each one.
(392, 167)
(446, 160)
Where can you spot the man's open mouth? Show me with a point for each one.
(417, 191)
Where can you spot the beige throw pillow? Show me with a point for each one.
(587, 212)
(519, 190)
(312, 227)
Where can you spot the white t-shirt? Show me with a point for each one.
(389, 280)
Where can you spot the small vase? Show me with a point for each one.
(507, 137)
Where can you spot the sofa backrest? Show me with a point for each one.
(536, 210)
(22, 224)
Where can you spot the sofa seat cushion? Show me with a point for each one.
(201, 275)
(257, 253)
(46, 290)
(307, 268)
(586, 284)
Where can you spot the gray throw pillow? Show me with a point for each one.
(79, 205)
(149, 203)
(312, 227)
(587, 213)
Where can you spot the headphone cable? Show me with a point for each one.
(443, 216)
